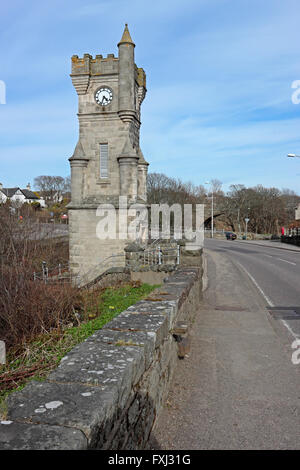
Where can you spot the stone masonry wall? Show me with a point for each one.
(107, 392)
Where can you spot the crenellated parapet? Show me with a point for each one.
(140, 76)
(93, 66)
(85, 68)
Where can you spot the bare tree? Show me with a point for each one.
(51, 187)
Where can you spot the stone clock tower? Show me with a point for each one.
(107, 161)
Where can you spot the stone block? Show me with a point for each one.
(156, 323)
(92, 363)
(76, 406)
(21, 436)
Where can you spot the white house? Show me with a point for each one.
(19, 196)
(297, 212)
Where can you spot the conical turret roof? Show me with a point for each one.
(126, 38)
(128, 149)
(142, 158)
(78, 153)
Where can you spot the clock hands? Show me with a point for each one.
(103, 96)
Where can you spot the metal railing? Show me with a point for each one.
(155, 255)
(59, 272)
(159, 255)
(293, 232)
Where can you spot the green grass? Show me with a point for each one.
(44, 353)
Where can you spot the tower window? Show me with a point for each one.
(103, 160)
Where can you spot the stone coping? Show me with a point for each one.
(80, 402)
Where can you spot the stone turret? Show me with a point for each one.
(127, 106)
(128, 161)
(78, 163)
(142, 177)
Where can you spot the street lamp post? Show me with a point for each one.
(246, 220)
(292, 155)
(239, 222)
(212, 209)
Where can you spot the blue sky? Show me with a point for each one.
(219, 76)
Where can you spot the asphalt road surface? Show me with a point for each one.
(274, 271)
(239, 387)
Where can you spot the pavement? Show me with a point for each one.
(238, 388)
(271, 244)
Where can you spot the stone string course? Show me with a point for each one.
(108, 390)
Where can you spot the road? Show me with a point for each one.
(239, 388)
(41, 231)
(274, 271)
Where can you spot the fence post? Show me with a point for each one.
(45, 270)
(178, 254)
(159, 254)
(2, 353)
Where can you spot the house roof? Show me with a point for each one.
(9, 192)
(29, 194)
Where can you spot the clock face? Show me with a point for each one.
(103, 96)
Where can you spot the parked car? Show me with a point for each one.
(230, 235)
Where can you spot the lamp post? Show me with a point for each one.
(246, 220)
(239, 222)
(292, 155)
(212, 209)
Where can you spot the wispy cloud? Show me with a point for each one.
(219, 76)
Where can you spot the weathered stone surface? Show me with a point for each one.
(17, 436)
(96, 364)
(146, 340)
(87, 408)
(152, 307)
(134, 321)
(133, 248)
(107, 391)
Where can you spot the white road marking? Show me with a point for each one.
(289, 328)
(281, 259)
(269, 301)
(290, 262)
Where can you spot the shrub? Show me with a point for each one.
(28, 308)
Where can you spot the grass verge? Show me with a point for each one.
(34, 360)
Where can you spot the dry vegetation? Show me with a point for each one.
(40, 322)
(28, 307)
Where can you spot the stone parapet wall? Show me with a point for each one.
(107, 392)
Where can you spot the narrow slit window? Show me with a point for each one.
(103, 160)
